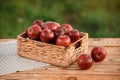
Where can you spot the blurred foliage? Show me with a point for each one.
(100, 18)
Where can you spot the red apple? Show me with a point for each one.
(59, 32)
(66, 27)
(63, 40)
(33, 32)
(98, 54)
(85, 61)
(51, 25)
(47, 35)
(38, 22)
(74, 35)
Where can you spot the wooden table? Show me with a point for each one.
(109, 69)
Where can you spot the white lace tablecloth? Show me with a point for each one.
(10, 62)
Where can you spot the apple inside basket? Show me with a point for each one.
(50, 53)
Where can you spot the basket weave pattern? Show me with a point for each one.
(45, 52)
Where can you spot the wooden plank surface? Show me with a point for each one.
(5, 40)
(104, 42)
(109, 69)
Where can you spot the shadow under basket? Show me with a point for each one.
(50, 53)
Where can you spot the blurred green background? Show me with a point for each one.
(99, 18)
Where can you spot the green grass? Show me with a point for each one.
(98, 18)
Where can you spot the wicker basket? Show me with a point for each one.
(45, 52)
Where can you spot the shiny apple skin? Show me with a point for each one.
(59, 32)
(85, 61)
(63, 40)
(51, 25)
(33, 32)
(38, 22)
(74, 35)
(98, 53)
(47, 35)
(66, 28)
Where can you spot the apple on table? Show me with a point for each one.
(98, 54)
(85, 61)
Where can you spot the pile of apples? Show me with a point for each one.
(85, 61)
(63, 35)
(53, 32)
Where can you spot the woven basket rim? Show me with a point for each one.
(21, 36)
